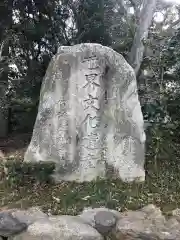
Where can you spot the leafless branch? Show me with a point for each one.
(174, 23)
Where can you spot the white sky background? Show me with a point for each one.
(159, 16)
(173, 1)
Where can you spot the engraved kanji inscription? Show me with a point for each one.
(92, 80)
(93, 121)
(92, 62)
(91, 102)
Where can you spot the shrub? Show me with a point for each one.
(21, 173)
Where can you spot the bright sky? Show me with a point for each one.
(159, 16)
(173, 1)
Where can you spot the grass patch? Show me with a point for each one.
(27, 187)
(19, 172)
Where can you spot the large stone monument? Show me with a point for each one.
(89, 118)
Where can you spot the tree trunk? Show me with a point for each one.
(4, 57)
(3, 98)
(144, 19)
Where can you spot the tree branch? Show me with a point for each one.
(173, 24)
(1, 49)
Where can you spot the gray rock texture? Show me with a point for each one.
(89, 120)
(9, 225)
(147, 223)
(59, 228)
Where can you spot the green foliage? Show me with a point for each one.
(160, 142)
(35, 29)
(93, 20)
(22, 173)
(23, 115)
(172, 52)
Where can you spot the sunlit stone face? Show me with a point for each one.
(89, 116)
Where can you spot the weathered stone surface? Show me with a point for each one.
(89, 119)
(104, 222)
(10, 225)
(88, 214)
(147, 223)
(173, 228)
(29, 216)
(60, 228)
(176, 214)
(150, 208)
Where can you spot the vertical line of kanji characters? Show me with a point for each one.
(91, 101)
